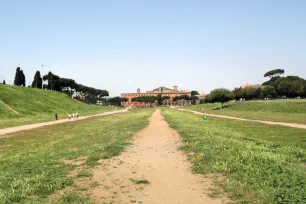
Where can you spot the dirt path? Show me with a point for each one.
(294, 125)
(9, 108)
(153, 157)
(9, 130)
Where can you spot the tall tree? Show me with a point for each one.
(52, 81)
(159, 99)
(37, 81)
(22, 78)
(194, 99)
(17, 77)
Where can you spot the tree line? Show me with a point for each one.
(57, 83)
(159, 98)
(277, 86)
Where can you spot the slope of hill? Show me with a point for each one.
(20, 105)
(287, 110)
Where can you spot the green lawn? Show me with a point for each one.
(30, 161)
(36, 105)
(292, 111)
(262, 163)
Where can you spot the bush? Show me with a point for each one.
(268, 92)
(221, 95)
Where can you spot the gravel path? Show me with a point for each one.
(9, 130)
(154, 157)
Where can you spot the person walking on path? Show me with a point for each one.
(56, 116)
(77, 115)
(69, 116)
(73, 116)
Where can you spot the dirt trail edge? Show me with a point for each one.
(9, 130)
(293, 125)
(9, 108)
(151, 171)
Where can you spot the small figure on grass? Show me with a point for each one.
(56, 116)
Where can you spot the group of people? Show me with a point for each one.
(74, 116)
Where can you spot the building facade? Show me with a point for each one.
(163, 91)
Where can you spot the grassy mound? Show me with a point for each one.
(27, 105)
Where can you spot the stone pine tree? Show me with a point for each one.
(37, 81)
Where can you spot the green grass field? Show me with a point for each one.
(262, 163)
(30, 161)
(36, 105)
(292, 111)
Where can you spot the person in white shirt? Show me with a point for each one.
(73, 116)
(77, 115)
(69, 116)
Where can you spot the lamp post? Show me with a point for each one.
(42, 79)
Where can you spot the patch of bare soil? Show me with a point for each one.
(152, 170)
(81, 184)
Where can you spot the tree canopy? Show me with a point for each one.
(116, 101)
(146, 99)
(275, 72)
(184, 97)
(37, 81)
(19, 78)
(166, 97)
(52, 81)
(194, 93)
(290, 86)
(268, 92)
(221, 95)
(159, 99)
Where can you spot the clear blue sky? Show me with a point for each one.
(123, 45)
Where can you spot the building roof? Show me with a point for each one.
(246, 84)
(163, 88)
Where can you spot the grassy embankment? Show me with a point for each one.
(36, 105)
(262, 163)
(292, 111)
(31, 161)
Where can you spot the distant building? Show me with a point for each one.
(246, 84)
(163, 91)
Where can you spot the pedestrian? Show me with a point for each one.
(69, 116)
(77, 115)
(73, 116)
(55, 116)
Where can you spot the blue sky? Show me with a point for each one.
(123, 45)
